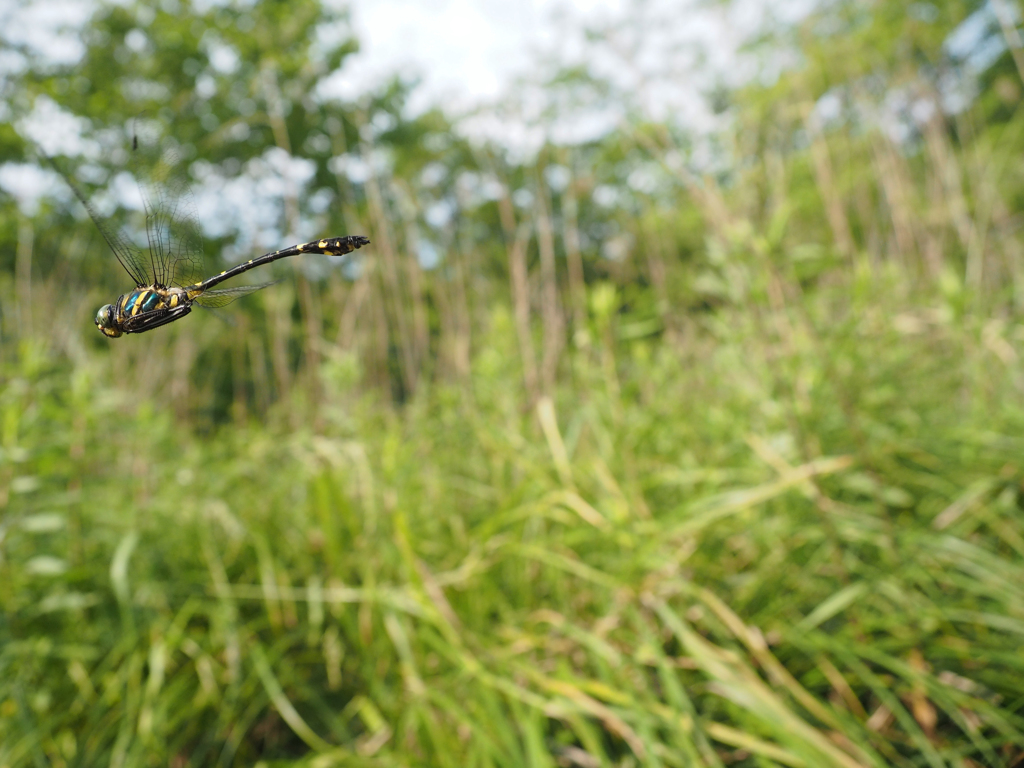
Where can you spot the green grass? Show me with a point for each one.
(785, 537)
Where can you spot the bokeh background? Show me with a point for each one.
(672, 418)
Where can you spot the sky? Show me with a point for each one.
(466, 51)
(469, 55)
(470, 51)
(662, 57)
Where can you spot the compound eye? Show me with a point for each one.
(103, 316)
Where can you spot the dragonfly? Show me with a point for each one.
(167, 276)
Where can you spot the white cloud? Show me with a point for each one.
(465, 51)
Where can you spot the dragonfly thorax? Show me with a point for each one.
(143, 309)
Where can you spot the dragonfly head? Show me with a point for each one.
(105, 321)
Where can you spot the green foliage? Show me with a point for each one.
(652, 450)
(813, 525)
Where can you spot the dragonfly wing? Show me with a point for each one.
(220, 297)
(130, 257)
(172, 222)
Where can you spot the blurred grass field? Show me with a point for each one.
(787, 538)
(654, 449)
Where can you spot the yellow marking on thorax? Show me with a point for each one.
(174, 300)
(138, 302)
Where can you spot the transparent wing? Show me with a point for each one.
(173, 254)
(130, 257)
(172, 222)
(220, 297)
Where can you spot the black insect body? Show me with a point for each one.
(150, 306)
(167, 279)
